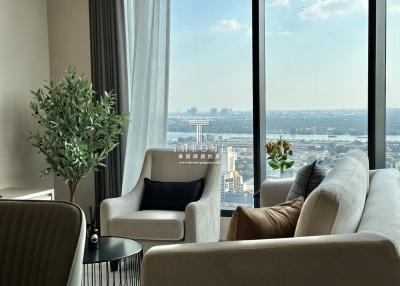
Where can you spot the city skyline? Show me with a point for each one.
(327, 139)
(185, 110)
(351, 122)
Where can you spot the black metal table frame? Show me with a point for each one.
(125, 269)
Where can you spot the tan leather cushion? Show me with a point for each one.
(337, 204)
(150, 225)
(260, 223)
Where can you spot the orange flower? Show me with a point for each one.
(286, 146)
(270, 148)
(278, 152)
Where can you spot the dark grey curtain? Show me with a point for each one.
(108, 73)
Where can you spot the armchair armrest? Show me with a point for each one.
(111, 208)
(350, 259)
(274, 191)
(374, 171)
(202, 218)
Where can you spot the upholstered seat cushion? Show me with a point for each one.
(382, 213)
(337, 204)
(150, 225)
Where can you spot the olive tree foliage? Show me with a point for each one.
(77, 131)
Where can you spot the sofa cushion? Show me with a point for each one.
(307, 179)
(173, 196)
(382, 212)
(336, 205)
(261, 223)
(150, 225)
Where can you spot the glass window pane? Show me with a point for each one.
(316, 78)
(393, 85)
(210, 91)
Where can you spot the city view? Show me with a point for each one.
(314, 134)
(317, 102)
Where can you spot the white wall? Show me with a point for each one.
(69, 42)
(24, 66)
(38, 41)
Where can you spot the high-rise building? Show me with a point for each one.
(192, 111)
(228, 159)
(226, 111)
(232, 185)
(237, 182)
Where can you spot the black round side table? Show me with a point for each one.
(116, 261)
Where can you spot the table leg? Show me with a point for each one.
(124, 272)
(114, 265)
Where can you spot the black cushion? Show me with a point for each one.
(174, 196)
(307, 179)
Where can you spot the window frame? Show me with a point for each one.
(377, 13)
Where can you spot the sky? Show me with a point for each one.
(316, 54)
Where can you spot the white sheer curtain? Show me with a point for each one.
(147, 40)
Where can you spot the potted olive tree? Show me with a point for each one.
(77, 131)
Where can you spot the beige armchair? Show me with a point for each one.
(198, 223)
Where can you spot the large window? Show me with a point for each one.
(393, 85)
(210, 89)
(317, 77)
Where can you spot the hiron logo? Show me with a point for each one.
(199, 123)
(199, 152)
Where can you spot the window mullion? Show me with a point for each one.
(377, 83)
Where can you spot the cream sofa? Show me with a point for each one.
(348, 233)
(198, 223)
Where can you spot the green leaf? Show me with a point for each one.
(77, 131)
(273, 164)
(288, 165)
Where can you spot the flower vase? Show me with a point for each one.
(285, 173)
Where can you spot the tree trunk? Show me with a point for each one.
(72, 189)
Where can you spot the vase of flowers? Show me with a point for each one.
(77, 131)
(279, 153)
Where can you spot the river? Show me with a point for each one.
(172, 136)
